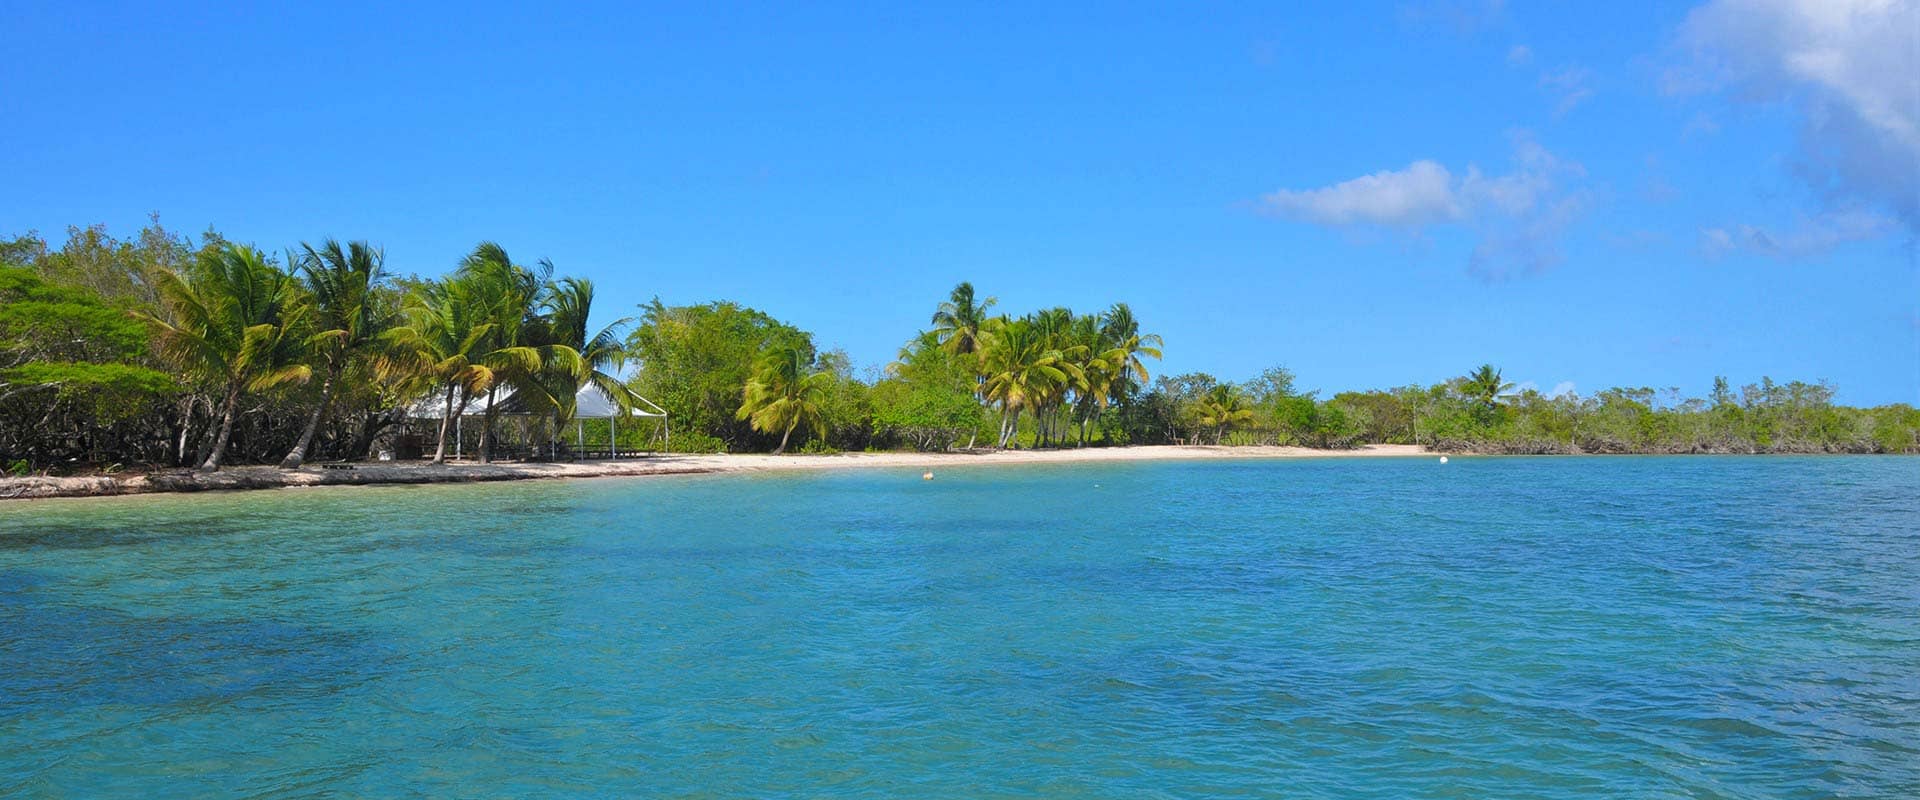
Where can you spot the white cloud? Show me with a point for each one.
(1421, 194)
(1852, 68)
(1811, 237)
(1519, 54)
(1564, 389)
(1518, 217)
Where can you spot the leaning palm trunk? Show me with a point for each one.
(299, 452)
(783, 439)
(186, 427)
(446, 421)
(226, 430)
(486, 430)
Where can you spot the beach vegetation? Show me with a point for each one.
(163, 350)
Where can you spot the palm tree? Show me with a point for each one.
(1021, 369)
(342, 282)
(448, 337)
(1484, 385)
(1122, 331)
(239, 323)
(956, 323)
(785, 392)
(1101, 365)
(510, 297)
(1223, 407)
(568, 303)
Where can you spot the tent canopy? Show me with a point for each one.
(589, 403)
(434, 405)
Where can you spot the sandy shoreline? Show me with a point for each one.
(266, 477)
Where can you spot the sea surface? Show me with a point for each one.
(1696, 627)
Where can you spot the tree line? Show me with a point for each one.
(164, 350)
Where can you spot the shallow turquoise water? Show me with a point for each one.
(1604, 627)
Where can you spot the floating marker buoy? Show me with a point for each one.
(927, 476)
(1443, 459)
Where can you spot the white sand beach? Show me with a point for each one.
(267, 477)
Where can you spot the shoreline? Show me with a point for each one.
(417, 472)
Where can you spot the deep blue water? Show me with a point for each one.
(1510, 628)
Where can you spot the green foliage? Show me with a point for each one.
(71, 366)
(695, 362)
(156, 349)
(785, 393)
(695, 442)
(924, 416)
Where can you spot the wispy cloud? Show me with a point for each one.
(1849, 66)
(1517, 217)
(1519, 55)
(1811, 237)
(1569, 85)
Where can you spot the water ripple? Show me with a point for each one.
(1551, 628)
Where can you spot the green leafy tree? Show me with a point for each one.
(695, 361)
(71, 365)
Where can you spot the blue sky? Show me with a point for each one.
(1372, 195)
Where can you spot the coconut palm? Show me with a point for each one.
(238, 322)
(510, 298)
(1100, 364)
(352, 323)
(448, 337)
(1221, 408)
(784, 393)
(1485, 386)
(1122, 331)
(1021, 369)
(568, 303)
(956, 323)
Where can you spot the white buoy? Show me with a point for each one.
(1443, 459)
(927, 476)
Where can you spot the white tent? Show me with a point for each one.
(434, 405)
(589, 403)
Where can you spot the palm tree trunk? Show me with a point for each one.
(486, 429)
(446, 420)
(299, 452)
(226, 430)
(783, 439)
(186, 427)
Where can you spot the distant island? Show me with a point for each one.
(163, 352)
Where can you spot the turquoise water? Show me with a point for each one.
(1554, 628)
